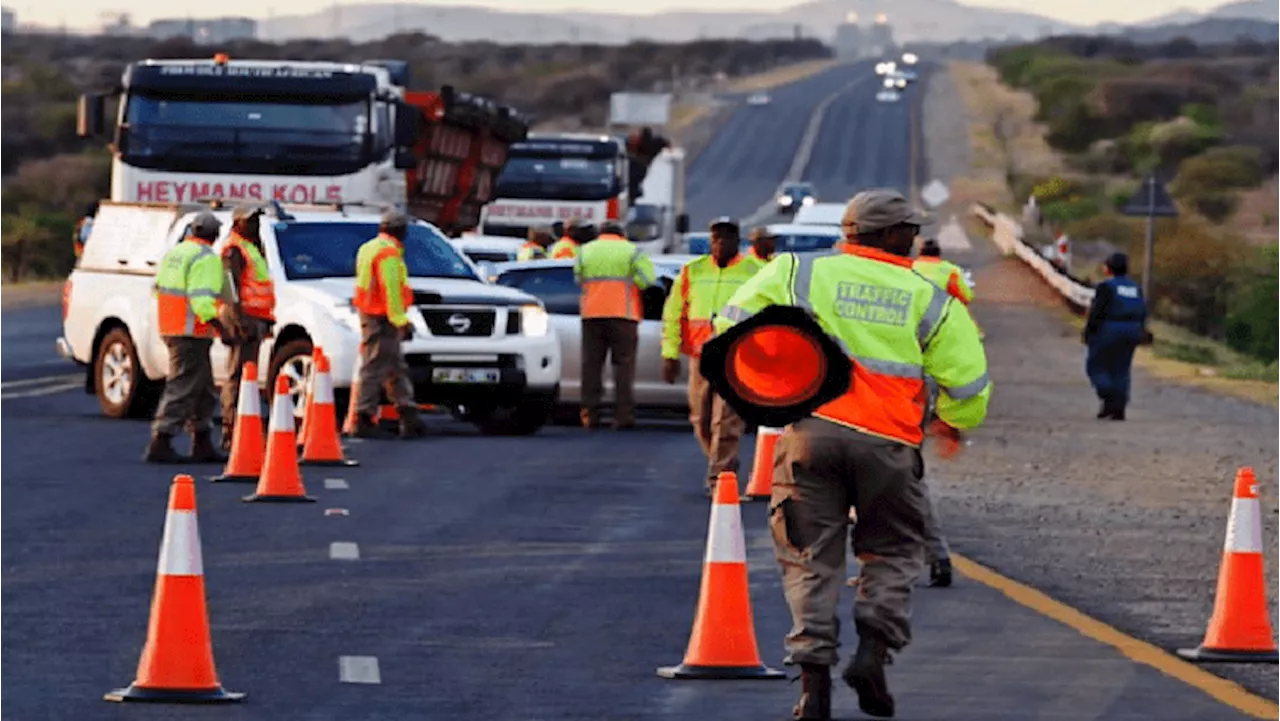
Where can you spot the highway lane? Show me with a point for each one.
(862, 144)
(27, 336)
(742, 166)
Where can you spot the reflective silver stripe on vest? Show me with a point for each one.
(897, 369)
(800, 287)
(970, 389)
(635, 256)
(937, 305)
(736, 313)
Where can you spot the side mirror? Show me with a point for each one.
(408, 123)
(89, 115)
(405, 159)
(682, 223)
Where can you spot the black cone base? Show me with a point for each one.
(340, 462)
(173, 695)
(233, 479)
(255, 498)
(685, 671)
(749, 499)
(1212, 655)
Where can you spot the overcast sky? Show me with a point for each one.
(84, 13)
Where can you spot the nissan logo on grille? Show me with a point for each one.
(459, 323)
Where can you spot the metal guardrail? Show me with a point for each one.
(1008, 236)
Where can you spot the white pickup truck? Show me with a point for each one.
(484, 351)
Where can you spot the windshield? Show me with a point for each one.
(328, 250)
(558, 178)
(251, 136)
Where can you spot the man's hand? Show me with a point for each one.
(406, 332)
(225, 332)
(670, 370)
(950, 440)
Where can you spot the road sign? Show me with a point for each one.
(1151, 200)
(935, 193)
(639, 108)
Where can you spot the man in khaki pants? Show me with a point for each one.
(702, 289)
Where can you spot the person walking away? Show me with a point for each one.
(187, 288)
(247, 308)
(577, 233)
(1116, 326)
(612, 272)
(763, 244)
(943, 273)
(700, 291)
(535, 248)
(382, 298)
(863, 449)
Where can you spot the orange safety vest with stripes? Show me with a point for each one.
(565, 249)
(257, 292)
(187, 288)
(897, 328)
(382, 280)
(699, 293)
(612, 271)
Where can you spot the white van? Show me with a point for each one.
(482, 350)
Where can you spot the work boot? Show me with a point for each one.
(367, 427)
(1117, 411)
(815, 696)
(589, 420)
(865, 673)
(1104, 410)
(202, 449)
(161, 450)
(940, 573)
(411, 425)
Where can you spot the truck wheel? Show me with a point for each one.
(293, 359)
(122, 388)
(522, 420)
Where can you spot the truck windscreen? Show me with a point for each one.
(328, 250)
(253, 136)
(529, 178)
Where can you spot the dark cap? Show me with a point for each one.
(880, 208)
(205, 225)
(394, 220)
(244, 211)
(612, 226)
(724, 221)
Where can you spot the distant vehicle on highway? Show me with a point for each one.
(888, 96)
(481, 350)
(487, 250)
(791, 238)
(758, 99)
(795, 196)
(828, 214)
(551, 281)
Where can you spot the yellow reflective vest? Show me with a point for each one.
(612, 271)
(946, 275)
(382, 280)
(564, 249)
(896, 327)
(187, 288)
(699, 293)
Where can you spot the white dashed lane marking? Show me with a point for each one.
(358, 669)
(335, 484)
(344, 551)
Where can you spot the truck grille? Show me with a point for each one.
(448, 322)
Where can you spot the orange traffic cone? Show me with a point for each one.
(723, 642)
(323, 447)
(245, 463)
(177, 660)
(281, 481)
(760, 487)
(1239, 629)
(310, 381)
(349, 423)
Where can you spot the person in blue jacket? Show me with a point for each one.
(1116, 326)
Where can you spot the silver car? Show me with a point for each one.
(552, 282)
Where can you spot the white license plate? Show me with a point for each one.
(465, 375)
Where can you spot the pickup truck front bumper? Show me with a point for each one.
(64, 349)
(450, 380)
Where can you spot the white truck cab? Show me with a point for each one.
(484, 351)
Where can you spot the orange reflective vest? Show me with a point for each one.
(565, 249)
(699, 293)
(257, 292)
(187, 287)
(612, 271)
(380, 271)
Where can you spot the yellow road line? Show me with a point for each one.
(1228, 692)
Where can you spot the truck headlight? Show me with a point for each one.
(534, 320)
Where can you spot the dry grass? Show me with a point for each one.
(1256, 218)
(27, 294)
(778, 76)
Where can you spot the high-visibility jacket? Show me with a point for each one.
(531, 251)
(896, 327)
(612, 271)
(382, 280)
(565, 249)
(257, 292)
(945, 275)
(699, 293)
(187, 288)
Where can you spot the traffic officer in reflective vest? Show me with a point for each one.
(247, 309)
(1116, 326)
(187, 288)
(612, 272)
(763, 244)
(863, 449)
(577, 233)
(536, 246)
(943, 273)
(382, 298)
(700, 291)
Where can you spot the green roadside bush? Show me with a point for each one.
(1207, 181)
(1253, 310)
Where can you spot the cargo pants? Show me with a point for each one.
(252, 332)
(382, 367)
(716, 425)
(821, 469)
(189, 392)
(615, 339)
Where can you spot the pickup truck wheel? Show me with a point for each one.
(522, 420)
(123, 390)
(293, 359)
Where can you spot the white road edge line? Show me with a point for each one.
(43, 391)
(344, 551)
(359, 669)
(335, 484)
(28, 382)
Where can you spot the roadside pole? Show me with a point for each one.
(1152, 201)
